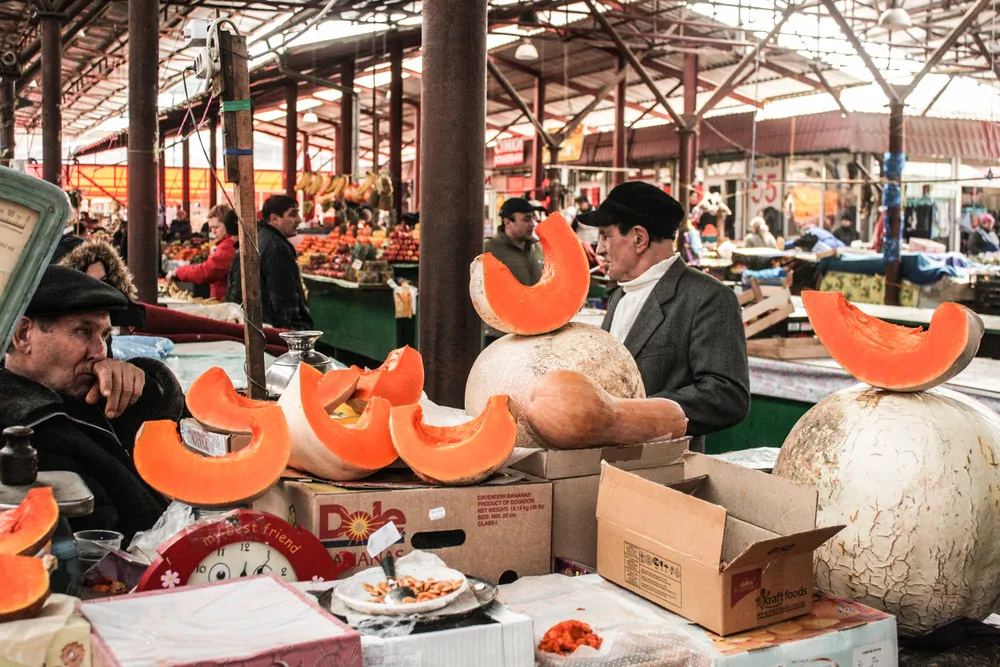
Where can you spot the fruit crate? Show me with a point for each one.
(370, 272)
(986, 287)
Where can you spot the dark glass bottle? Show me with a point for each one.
(18, 459)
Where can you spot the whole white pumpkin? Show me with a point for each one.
(915, 478)
(512, 364)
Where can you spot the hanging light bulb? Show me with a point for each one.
(895, 18)
(526, 51)
(310, 117)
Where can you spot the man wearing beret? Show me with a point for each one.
(85, 408)
(683, 327)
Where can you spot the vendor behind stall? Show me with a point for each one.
(224, 227)
(683, 327)
(984, 237)
(85, 409)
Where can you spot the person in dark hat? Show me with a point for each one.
(515, 246)
(683, 327)
(85, 409)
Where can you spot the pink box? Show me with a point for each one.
(251, 622)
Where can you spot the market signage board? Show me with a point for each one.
(767, 177)
(509, 152)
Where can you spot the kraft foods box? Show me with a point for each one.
(498, 531)
(728, 547)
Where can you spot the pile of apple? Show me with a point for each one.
(402, 247)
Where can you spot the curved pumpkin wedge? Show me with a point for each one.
(893, 357)
(399, 380)
(335, 387)
(455, 455)
(25, 587)
(213, 401)
(214, 481)
(25, 529)
(332, 448)
(506, 304)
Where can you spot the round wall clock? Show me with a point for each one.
(243, 543)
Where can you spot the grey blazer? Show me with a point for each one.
(689, 344)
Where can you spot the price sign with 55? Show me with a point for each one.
(767, 175)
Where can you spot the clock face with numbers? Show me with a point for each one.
(242, 543)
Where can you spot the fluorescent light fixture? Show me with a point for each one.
(310, 117)
(267, 116)
(303, 104)
(330, 95)
(526, 51)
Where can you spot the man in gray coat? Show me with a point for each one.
(683, 327)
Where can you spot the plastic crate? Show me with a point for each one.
(986, 287)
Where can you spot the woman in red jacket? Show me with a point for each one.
(215, 270)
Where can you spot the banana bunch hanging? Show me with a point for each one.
(375, 190)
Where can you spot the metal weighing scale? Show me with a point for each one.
(33, 215)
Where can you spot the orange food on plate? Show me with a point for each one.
(565, 637)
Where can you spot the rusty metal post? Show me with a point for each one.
(376, 141)
(186, 176)
(892, 196)
(51, 28)
(345, 135)
(687, 135)
(161, 178)
(618, 138)
(143, 84)
(213, 160)
(538, 144)
(291, 136)
(453, 172)
(396, 121)
(6, 121)
(416, 161)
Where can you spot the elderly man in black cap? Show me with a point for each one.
(683, 327)
(514, 245)
(84, 407)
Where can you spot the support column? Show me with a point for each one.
(51, 29)
(396, 122)
(376, 140)
(213, 159)
(186, 176)
(453, 168)
(416, 161)
(687, 134)
(161, 174)
(618, 138)
(291, 136)
(538, 145)
(143, 82)
(6, 121)
(345, 136)
(892, 197)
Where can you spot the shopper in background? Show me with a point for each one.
(586, 233)
(846, 233)
(984, 237)
(515, 246)
(683, 327)
(283, 300)
(760, 235)
(814, 238)
(692, 243)
(180, 228)
(214, 271)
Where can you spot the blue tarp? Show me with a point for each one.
(130, 347)
(917, 267)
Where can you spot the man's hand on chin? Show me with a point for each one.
(119, 383)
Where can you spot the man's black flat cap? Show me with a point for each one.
(64, 290)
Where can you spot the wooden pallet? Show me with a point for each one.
(764, 306)
(787, 348)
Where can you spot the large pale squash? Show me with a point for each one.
(914, 478)
(512, 364)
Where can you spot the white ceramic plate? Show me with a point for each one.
(353, 594)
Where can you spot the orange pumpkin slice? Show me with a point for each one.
(25, 587)
(214, 481)
(330, 448)
(335, 387)
(213, 401)
(455, 455)
(25, 529)
(506, 304)
(893, 357)
(399, 380)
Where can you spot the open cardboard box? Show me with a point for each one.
(565, 463)
(728, 547)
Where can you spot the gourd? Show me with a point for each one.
(24, 586)
(894, 357)
(336, 387)
(326, 446)
(26, 529)
(568, 410)
(455, 455)
(509, 306)
(167, 465)
(399, 380)
(213, 401)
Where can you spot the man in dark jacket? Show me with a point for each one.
(683, 327)
(283, 301)
(85, 409)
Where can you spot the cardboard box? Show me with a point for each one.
(196, 436)
(563, 463)
(574, 512)
(496, 531)
(729, 548)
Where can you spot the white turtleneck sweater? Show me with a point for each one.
(636, 293)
